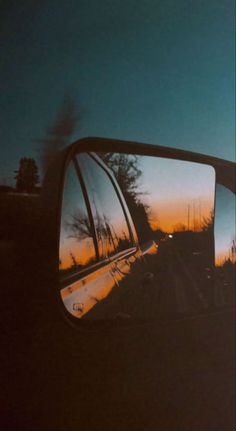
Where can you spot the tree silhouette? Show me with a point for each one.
(126, 170)
(58, 135)
(27, 175)
(79, 226)
(208, 222)
(179, 227)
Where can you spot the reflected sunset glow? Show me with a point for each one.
(85, 293)
(180, 194)
(170, 216)
(70, 249)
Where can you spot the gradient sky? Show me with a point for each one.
(175, 189)
(152, 71)
(224, 222)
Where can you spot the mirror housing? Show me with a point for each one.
(52, 191)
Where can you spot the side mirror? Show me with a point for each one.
(132, 231)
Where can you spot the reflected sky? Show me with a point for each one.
(224, 224)
(178, 192)
(109, 219)
(76, 241)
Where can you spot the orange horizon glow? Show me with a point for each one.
(171, 215)
(83, 250)
(223, 257)
(80, 252)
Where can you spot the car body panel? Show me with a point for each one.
(80, 296)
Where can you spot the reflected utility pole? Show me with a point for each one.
(194, 217)
(200, 213)
(188, 217)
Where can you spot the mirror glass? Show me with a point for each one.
(137, 237)
(225, 247)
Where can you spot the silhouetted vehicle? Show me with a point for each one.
(104, 331)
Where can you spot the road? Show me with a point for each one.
(177, 284)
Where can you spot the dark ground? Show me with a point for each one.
(176, 374)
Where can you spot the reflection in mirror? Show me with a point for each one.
(171, 204)
(77, 249)
(225, 247)
(109, 219)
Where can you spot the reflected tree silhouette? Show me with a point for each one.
(79, 226)
(109, 240)
(208, 222)
(128, 174)
(126, 170)
(179, 227)
(75, 263)
(106, 234)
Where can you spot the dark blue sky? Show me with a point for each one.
(152, 71)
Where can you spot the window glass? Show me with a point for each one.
(109, 219)
(77, 249)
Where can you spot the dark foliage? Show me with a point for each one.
(6, 189)
(27, 175)
(126, 170)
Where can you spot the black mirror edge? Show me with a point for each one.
(225, 169)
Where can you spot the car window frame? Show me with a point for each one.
(125, 209)
(71, 276)
(116, 188)
(100, 261)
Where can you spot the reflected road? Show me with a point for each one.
(173, 284)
